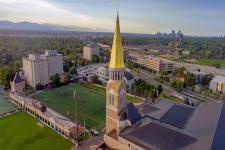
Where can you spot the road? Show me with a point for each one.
(151, 78)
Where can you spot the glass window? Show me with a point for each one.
(128, 144)
(111, 99)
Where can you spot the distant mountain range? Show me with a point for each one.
(4, 24)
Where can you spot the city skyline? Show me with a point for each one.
(202, 18)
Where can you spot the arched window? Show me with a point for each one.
(111, 99)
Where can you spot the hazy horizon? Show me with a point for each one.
(201, 18)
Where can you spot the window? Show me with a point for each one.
(111, 99)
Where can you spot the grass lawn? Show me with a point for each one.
(210, 62)
(91, 105)
(129, 99)
(5, 105)
(20, 132)
(201, 61)
(172, 99)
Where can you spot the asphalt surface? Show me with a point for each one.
(92, 143)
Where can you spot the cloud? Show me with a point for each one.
(42, 11)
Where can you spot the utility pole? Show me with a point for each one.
(84, 127)
(75, 96)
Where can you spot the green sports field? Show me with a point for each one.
(20, 132)
(91, 106)
(5, 105)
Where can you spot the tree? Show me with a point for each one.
(189, 79)
(73, 71)
(217, 65)
(39, 86)
(177, 84)
(7, 73)
(153, 94)
(67, 77)
(164, 76)
(160, 89)
(179, 72)
(95, 58)
(206, 79)
(56, 80)
(66, 67)
(96, 80)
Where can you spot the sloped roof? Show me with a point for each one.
(17, 78)
(133, 114)
(117, 60)
(128, 75)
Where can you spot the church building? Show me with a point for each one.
(163, 125)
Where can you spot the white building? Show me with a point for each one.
(90, 50)
(217, 84)
(199, 75)
(38, 68)
(103, 73)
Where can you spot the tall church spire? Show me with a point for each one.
(117, 60)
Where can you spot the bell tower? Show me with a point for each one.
(116, 88)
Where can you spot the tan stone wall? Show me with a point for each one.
(18, 87)
(113, 111)
(114, 144)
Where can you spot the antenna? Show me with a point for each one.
(117, 7)
(117, 10)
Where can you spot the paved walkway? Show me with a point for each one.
(92, 143)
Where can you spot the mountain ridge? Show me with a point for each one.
(26, 25)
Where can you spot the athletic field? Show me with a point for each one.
(91, 104)
(5, 105)
(20, 132)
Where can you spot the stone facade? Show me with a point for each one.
(18, 84)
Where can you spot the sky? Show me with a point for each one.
(193, 17)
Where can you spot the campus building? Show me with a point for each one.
(217, 84)
(89, 50)
(103, 75)
(151, 62)
(47, 116)
(38, 68)
(18, 83)
(163, 125)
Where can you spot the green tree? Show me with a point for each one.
(7, 73)
(177, 84)
(164, 76)
(96, 80)
(189, 79)
(67, 77)
(160, 89)
(217, 65)
(56, 80)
